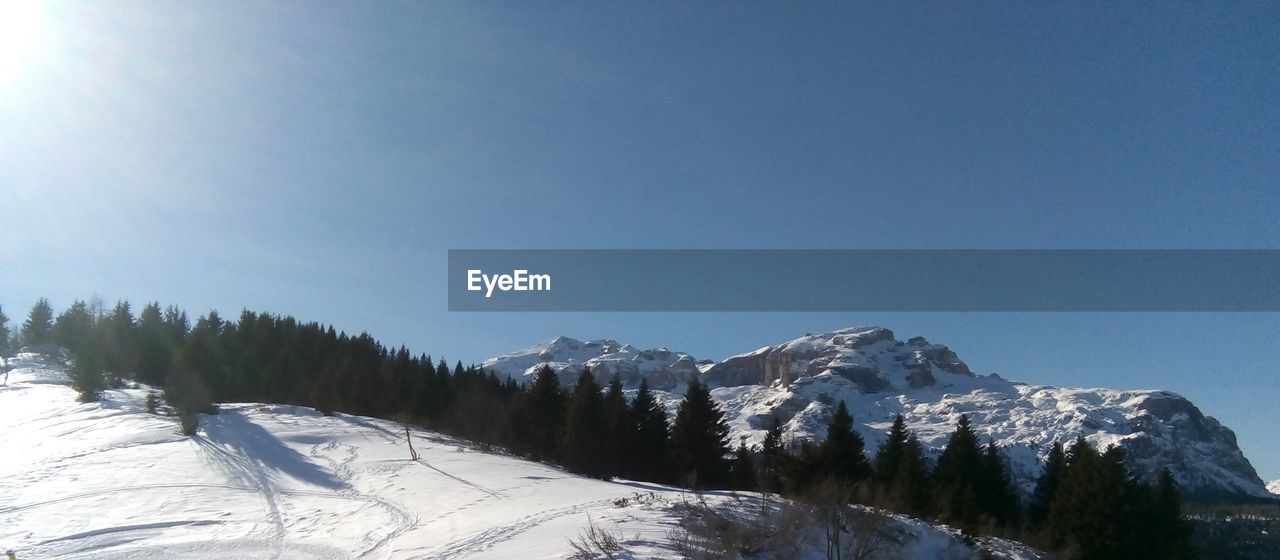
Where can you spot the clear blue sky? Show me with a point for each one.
(320, 159)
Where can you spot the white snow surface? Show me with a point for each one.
(878, 377)
(107, 480)
(1274, 486)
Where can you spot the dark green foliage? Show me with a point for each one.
(646, 450)
(586, 434)
(153, 402)
(38, 328)
(155, 341)
(73, 329)
(891, 453)
(4, 333)
(88, 377)
(616, 425)
(1047, 486)
(959, 470)
(843, 455)
(119, 344)
(545, 420)
(742, 471)
(998, 498)
(772, 458)
(1170, 532)
(700, 440)
(900, 471)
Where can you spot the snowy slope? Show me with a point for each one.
(108, 481)
(1274, 486)
(878, 376)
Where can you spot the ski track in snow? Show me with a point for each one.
(484, 540)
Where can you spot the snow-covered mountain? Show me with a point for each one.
(666, 370)
(1274, 487)
(109, 481)
(879, 377)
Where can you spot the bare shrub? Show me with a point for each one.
(595, 543)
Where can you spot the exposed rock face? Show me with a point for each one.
(841, 351)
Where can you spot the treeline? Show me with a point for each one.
(1087, 504)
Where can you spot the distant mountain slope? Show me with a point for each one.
(879, 376)
(108, 481)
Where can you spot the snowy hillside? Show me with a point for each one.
(107, 480)
(879, 376)
(1274, 486)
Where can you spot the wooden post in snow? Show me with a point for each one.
(413, 454)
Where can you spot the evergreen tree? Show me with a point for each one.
(772, 457)
(586, 431)
(912, 486)
(73, 329)
(889, 455)
(88, 376)
(615, 417)
(959, 470)
(843, 454)
(119, 347)
(742, 470)
(38, 329)
(1171, 536)
(901, 471)
(155, 346)
(997, 495)
(153, 402)
(546, 421)
(647, 449)
(188, 394)
(699, 440)
(1047, 486)
(4, 333)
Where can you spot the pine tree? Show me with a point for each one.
(154, 345)
(88, 376)
(1172, 532)
(615, 418)
(153, 402)
(647, 450)
(843, 454)
(73, 329)
(913, 485)
(700, 440)
(546, 409)
(959, 470)
(4, 333)
(900, 469)
(1047, 486)
(890, 453)
(743, 470)
(997, 495)
(38, 329)
(772, 457)
(188, 394)
(586, 432)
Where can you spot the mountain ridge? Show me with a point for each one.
(878, 376)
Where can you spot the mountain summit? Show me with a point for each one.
(878, 376)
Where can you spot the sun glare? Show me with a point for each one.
(20, 33)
